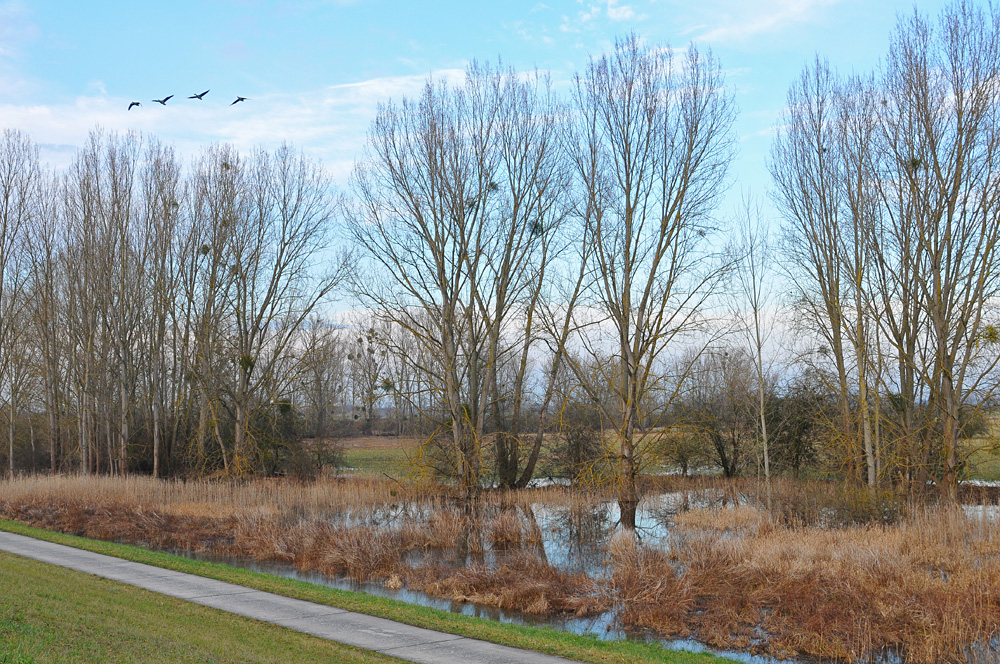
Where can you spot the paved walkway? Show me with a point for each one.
(386, 636)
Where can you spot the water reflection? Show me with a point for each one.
(601, 626)
(573, 537)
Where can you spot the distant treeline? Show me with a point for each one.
(530, 267)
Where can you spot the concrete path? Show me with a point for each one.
(386, 636)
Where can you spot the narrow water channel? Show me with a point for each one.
(601, 626)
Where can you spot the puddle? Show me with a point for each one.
(983, 512)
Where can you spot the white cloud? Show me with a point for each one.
(742, 20)
(15, 27)
(567, 25)
(329, 122)
(589, 17)
(619, 13)
(369, 93)
(97, 88)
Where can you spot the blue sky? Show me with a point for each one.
(314, 70)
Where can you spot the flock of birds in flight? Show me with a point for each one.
(199, 97)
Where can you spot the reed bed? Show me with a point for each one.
(825, 572)
(360, 528)
(927, 587)
(212, 498)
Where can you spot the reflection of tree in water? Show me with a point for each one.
(391, 515)
(656, 518)
(478, 544)
(536, 541)
(471, 547)
(575, 538)
(656, 514)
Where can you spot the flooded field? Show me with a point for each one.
(573, 540)
(820, 576)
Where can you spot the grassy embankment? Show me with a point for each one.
(53, 614)
(982, 453)
(381, 455)
(582, 648)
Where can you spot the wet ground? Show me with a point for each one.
(572, 539)
(601, 626)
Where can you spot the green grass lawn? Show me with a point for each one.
(572, 646)
(982, 453)
(984, 464)
(52, 614)
(391, 461)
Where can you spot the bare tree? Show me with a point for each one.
(855, 113)
(888, 184)
(106, 269)
(158, 243)
(19, 192)
(81, 306)
(423, 190)
(46, 297)
(757, 309)
(368, 358)
(275, 279)
(717, 404)
(809, 193)
(653, 142)
(163, 309)
(458, 203)
(522, 243)
(323, 375)
(215, 188)
(941, 84)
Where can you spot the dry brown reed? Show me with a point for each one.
(219, 498)
(520, 582)
(361, 528)
(927, 587)
(506, 530)
(826, 572)
(648, 591)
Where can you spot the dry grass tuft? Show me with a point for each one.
(647, 590)
(739, 520)
(522, 582)
(364, 554)
(506, 531)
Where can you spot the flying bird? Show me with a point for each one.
(135, 103)
(197, 96)
(238, 100)
(163, 102)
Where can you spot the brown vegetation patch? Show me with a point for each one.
(799, 579)
(928, 587)
(522, 582)
(648, 591)
(290, 522)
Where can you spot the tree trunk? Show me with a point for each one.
(156, 439)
